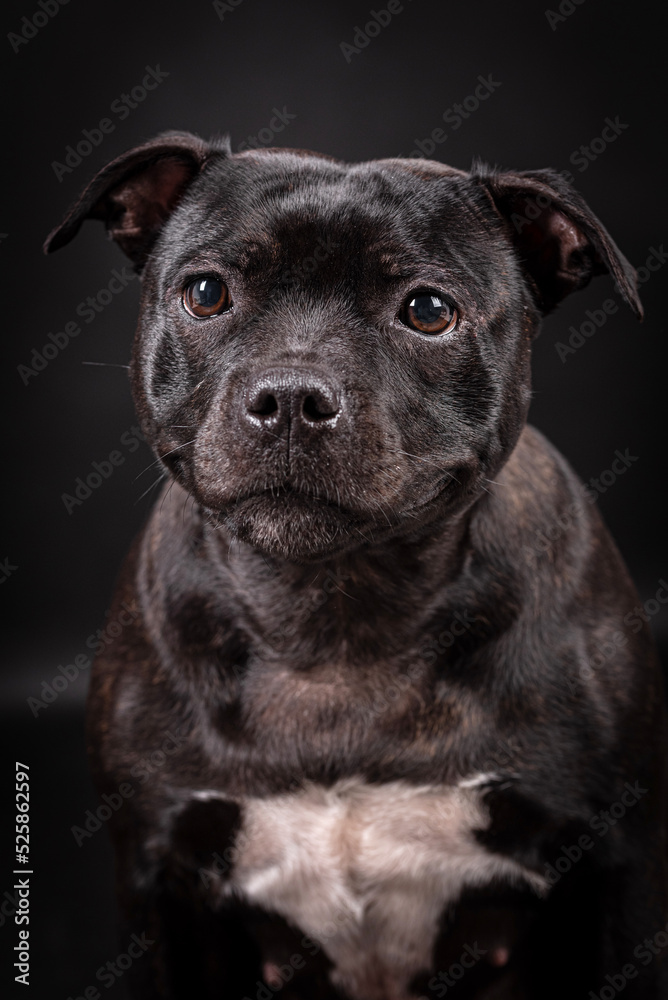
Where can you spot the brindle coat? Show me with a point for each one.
(394, 721)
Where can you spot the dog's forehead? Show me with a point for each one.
(267, 205)
(294, 173)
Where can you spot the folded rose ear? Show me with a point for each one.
(135, 193)
(561, 243)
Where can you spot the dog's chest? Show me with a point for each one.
(367, 870)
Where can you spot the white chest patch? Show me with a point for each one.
(367, 870)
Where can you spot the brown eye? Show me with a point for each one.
(429, 312)
(205, 297)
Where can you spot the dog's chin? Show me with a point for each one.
(305, 528)
(294, 526)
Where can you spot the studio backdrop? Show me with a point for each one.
(578, 86)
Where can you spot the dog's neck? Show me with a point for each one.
(369, 602)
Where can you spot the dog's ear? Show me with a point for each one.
(561, 243)
(135, 193)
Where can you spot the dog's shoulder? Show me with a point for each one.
(537, 482)
(541, 524)
(541, 514)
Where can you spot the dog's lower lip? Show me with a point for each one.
(288, 492)
(438, 490)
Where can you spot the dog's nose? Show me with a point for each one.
(299, 395)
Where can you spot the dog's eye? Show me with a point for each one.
(205, 297)
(429, 312)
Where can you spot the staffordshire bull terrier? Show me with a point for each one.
(415, 749)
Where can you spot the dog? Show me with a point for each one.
(388, 757)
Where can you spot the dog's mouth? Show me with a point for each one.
(316, 496)
(307, 521)
(307, 501)
(287, 492)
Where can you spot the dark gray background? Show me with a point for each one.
(605, 59)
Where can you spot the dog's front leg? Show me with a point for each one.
(184, 947)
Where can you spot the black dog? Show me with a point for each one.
(393, 737)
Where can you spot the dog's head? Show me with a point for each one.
(328, 354)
